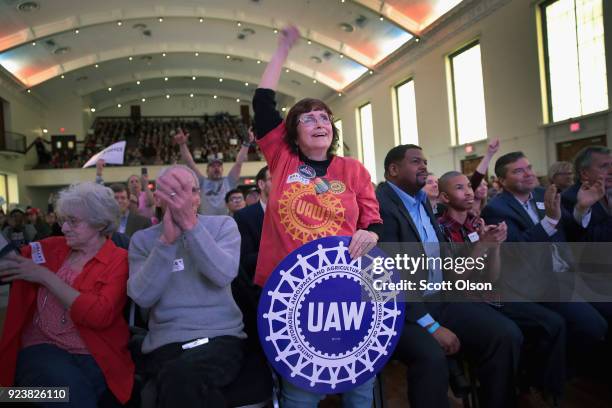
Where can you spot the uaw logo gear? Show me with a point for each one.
(322, 324)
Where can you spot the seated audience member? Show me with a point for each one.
(252, 196)
(541, 327)
(182, 269)
(234, 200)
(214, 186)
(18, 232)
(561, 175)
(535, 215)
(592, 164)
(64, 325)
(129, 222)
(431, 189)
(435, 328)
(250, 223)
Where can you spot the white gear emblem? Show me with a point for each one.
(305, 362)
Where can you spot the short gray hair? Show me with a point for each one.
(95, 202)
(584, 156)
(165, 170)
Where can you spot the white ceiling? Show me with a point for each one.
(87, 46)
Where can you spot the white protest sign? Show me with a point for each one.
(113, 154)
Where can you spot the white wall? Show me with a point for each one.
(508, 38)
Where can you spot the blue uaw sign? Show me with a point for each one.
(322, 324)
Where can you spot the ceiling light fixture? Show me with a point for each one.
(33, 43)
(163, 54)
(275, 31)
(214, 96)
(259, 61)
(193, 78)
(220, 79)
(341, 55)
(201, 20)
(62, 76)
(381, 18)
(417, 39)
(110, 89)
(130, 58)
(137, 82)
(118, 105)
(96, 66)
(29, 91)
(165, 78)
(237, 99)
(287, 70)
(314, 81)
(339, 93)
(119, 23)
(167, 96)
(239, 24)
(92, 110)
(160, 19)
(197, 54)
(143, 100)
(371, 72)
(283, 109)
(45, 130)
(76, 31)
(309, 42)
(191, 95)
(228, 57)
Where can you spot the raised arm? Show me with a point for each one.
(287, 38)
(234, 173)
(483, 166)
(99, 171)
(180, 138)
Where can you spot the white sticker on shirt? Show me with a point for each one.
(540, 205)
(473, 237)
(296, 177)
(37, 253)
(178, 265)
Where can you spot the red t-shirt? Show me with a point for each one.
(296, 214)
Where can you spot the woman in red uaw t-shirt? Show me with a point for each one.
(314, 192)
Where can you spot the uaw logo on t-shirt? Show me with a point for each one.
(322, 324)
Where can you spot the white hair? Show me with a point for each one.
(165, 170)
(95, 203)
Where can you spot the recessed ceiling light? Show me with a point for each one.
(160, 19)
(62, 76)
(118, 105)
(96, 66)
(246, 84)
(309, 42)
(220, 79)
(119, 23)
(259, 61)
(45, 130)
(314, 81)
(76, 31)
(92, 110)
(28, 6)
(165, 78)
(163, 54)
(228, 57)
(110, 89)
(381, 18)
(237, 99)
(130, 58)
(201, 20)
(238, 23)
(275, 31)
(214, 96)
(371, 72)
(29, 91)
(191, 95)
(143, 100)
(417, 39)
(287, 70)
(197, 54)
(167, 96)
(193, 78)
(341, 55)
(34, 43)
(283, 109)
(339, 93)
(137, 82)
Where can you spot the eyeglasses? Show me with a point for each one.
(72, 221)
(236, 199)
(311, 120)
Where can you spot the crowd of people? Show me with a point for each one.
(68, 291)
(151, 142)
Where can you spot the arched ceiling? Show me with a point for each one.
(87, 46)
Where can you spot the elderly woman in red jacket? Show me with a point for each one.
(64, 324)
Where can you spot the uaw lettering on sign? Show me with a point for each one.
(322, 324)
(311, 210)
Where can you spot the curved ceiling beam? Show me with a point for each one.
(137, 96)
(130, 79)
(81, 22)
(392, 14)
(126, 52)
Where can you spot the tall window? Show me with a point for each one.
(340, 150)
(468, 95)
(406, 112)
(575, 57)
(366, 131)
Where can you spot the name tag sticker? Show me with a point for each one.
(473, 237)
(178, 265)
(37, 253)
(540, 205)
(297, 178)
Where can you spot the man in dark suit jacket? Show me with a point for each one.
(592, 164)
(435, 328)
(250, 223)
(129, 222)
(535, 216)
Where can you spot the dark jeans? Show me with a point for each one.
(46, 365)
(192, 377)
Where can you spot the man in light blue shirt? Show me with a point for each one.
(434, 328)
